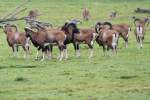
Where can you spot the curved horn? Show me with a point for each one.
(75, 21)
(108, 23)
(67, 24)
(136, 20)
(133, 17)
(39, 26)
(97, 27)
(15, 26)
(45, 24)
(146, 20)
(5, 25)
(71, 28)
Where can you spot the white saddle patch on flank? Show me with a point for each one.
(46, 44)
(104, 35)
(27, 42)
(27, 45)
(129, 29)
(139, 30)
(94, 37)
(16, 36)
(127, 35)
(114, 40)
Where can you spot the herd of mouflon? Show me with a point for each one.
(45, 37)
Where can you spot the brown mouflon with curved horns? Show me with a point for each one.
(38, 39)
(140, 25)
(42, 38)
(78, 36)
(16, 39)
(107, 37)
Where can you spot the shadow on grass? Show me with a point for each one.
(65, 90)
(17, 66)
(128, 77)
(20, 79)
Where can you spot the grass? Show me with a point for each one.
(124, 76)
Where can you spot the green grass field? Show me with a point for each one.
(125, 76)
